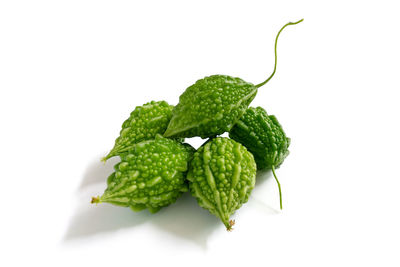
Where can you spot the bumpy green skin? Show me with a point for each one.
(210, 107)
(143, 124)
(222, 175)
(263, 136)
(151, 175)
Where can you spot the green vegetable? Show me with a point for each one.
(150, 175)
(156, 168)
(143, 124)
(210, 107)
(213, 104)
(221, 176)
(264, 138)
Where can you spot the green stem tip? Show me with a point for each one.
(279, 186)
(276, 57)
(95, 200)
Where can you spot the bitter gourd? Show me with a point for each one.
(221, 176)
(153, 168)
(151, 175)
(143, 124)
(213, 104)
(264, 138)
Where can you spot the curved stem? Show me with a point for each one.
(276, 58)
(279, 186)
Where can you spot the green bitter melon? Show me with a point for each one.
(151, 175)
(213, 104)
(264, 137)
(143, 124)
(222, 175)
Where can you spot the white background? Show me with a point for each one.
(72, 71)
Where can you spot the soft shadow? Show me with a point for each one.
(97, 171)
(103, 218)
(267, 209)
(185, 219)
(263, 176)
(92, 219)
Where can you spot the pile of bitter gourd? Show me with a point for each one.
(156, 167)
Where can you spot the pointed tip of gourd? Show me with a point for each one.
(106, 157)
(229, 226)
(95, 200)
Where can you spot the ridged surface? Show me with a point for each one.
(151, 175)
(210, 107)
(221, 177)
(143, 124)
(263, 136)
